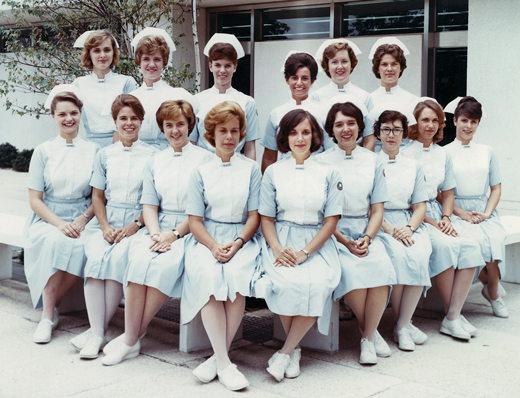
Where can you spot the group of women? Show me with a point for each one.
(153, 215)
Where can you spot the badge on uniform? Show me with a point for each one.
(340, 186)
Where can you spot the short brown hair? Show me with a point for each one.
(221, 51)
(300, 60)
(173, 110)
(413, 132)
(65, 96)
(347, 109)
(390, 49)
(221, 114)
(390, 116)
(469, 107)
(123, 100)
(290, 121)
(331, 51)
(150, 44)
(95, 39)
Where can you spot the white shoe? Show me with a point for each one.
(232, 378)
(468, 327)
(121, 353)
(293, 369)
(417, 335)
(381, 346)
(278, 365)
(368, 353)
(454, 328)
(80, 340)
(94, 344)
(207, 370)
(43, 331)
(112, 344)
(402, 336)
(498, 305)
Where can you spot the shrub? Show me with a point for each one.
(8, 153)
(22, 161)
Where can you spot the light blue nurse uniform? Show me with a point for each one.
(62, 172)
(406, 186)
(299, 197)
(363, 185)
(165, 184)
(222, 193)
(118, 170)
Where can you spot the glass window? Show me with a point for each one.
(452, 15)
(382, 18)
(236, 23)
(296, 23)
(451, 70)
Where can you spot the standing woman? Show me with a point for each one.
(406, 240)
(59, 195)
(477, 171)
(300, 205)
(117, 186)
(100, 54)
(300, 71)
(366, 269)
(454, 257)
(156, 257)
(221, 253)
(338, 59)
(153, 49)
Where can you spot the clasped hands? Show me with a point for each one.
(287, 257)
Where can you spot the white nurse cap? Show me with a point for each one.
(326, 43)
(61, 88)
(388, 40)
(224, 38)
(80, 41)
(342, 98)
(405, 109)
(154, 32)
(291, 53)
(450, 108)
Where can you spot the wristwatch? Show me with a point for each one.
(411, 228)
(139, 224)
(176, 233)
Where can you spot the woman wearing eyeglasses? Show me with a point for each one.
(406, 240)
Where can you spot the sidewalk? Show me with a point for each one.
(442, 367)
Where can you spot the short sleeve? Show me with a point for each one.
(149, 195)
(99, 174)
(419, 190)
(196, 203)
(130, 85)
(494, 169)
(269, 139)
(35, 179)
(449, 174)
(253, 125)
(379, 191)
(254, 188)
(334, 205)
(268, 194)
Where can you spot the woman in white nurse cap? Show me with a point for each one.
(99, 88)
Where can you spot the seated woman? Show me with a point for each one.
(60, 199)
(117, 182)
(300, 205)
(406, 240)
(454, 257)
(156, 257)
(366, 269)
(221, 253)
(338, 60)
(300, 71)
(477, 171)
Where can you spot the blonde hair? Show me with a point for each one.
(221, 114)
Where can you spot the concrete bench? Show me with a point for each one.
(11, 235)
(433, 300)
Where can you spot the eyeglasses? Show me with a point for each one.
(387, 130)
